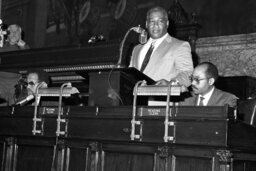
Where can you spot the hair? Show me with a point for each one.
(211, 70)
(158, 9)
(43, 76)
(14, 25)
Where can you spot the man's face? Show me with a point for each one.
(32, 80)
(157, 24)
(199, 81)
(15, 34)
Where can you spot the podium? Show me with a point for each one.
(113, 87)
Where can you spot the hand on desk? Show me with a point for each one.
(172, 82)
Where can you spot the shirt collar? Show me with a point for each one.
(157, 41)
(207, 96)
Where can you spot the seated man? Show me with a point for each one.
(34, 78)
(40, 78)
(204, 92)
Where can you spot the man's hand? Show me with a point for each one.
(172, 82)
(162, 82)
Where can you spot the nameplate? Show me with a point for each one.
(49, 110)
(151, 111)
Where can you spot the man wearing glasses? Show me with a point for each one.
(204, 92)
(163, 58)
(26, 89)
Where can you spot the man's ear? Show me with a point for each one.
(211, 81)
(167, 23)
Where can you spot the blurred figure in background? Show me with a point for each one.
(14, 39)
(7, 84)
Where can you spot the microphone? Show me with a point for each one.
(143, 34)
(138, 29)
(27, 99)
(143, 38)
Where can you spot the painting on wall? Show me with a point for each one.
(76, 21)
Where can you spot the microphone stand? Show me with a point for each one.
(119, 63)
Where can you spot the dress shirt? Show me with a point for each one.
(146, 47)
(207, 97)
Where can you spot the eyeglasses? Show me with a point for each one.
(197, 80)
(31, 83)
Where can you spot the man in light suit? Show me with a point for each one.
(204, 92)
(171, 58)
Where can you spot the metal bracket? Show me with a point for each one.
(35, 118)
(60, 111)
(135, 122)
(65, 90)
(167, 123)
(143, 90)
(135, 136)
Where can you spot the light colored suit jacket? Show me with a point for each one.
(218, 98)
(171, 60)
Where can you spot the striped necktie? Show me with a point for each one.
(201, 102)
(147, 57)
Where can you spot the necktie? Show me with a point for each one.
(147, 57)
(201, 101)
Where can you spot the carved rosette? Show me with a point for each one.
(164, 151)
(224, 156)
(95, 146)
(11, 141)
(61, 144)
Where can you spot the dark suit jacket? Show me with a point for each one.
(218, 98)
(170, 60)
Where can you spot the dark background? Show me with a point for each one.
(38, 18)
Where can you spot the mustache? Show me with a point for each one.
(194, 87)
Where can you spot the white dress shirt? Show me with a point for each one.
(146, 47)
(207, 97)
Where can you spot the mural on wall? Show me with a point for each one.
(233, 55)
(78, 20)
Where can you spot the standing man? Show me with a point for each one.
(204, 92)
(163, 58)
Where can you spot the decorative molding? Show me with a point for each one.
(226, 42)
(69, 78)
(7, 4)
(95, 146)
(80, 68)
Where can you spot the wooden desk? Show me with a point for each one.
(205, 139)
